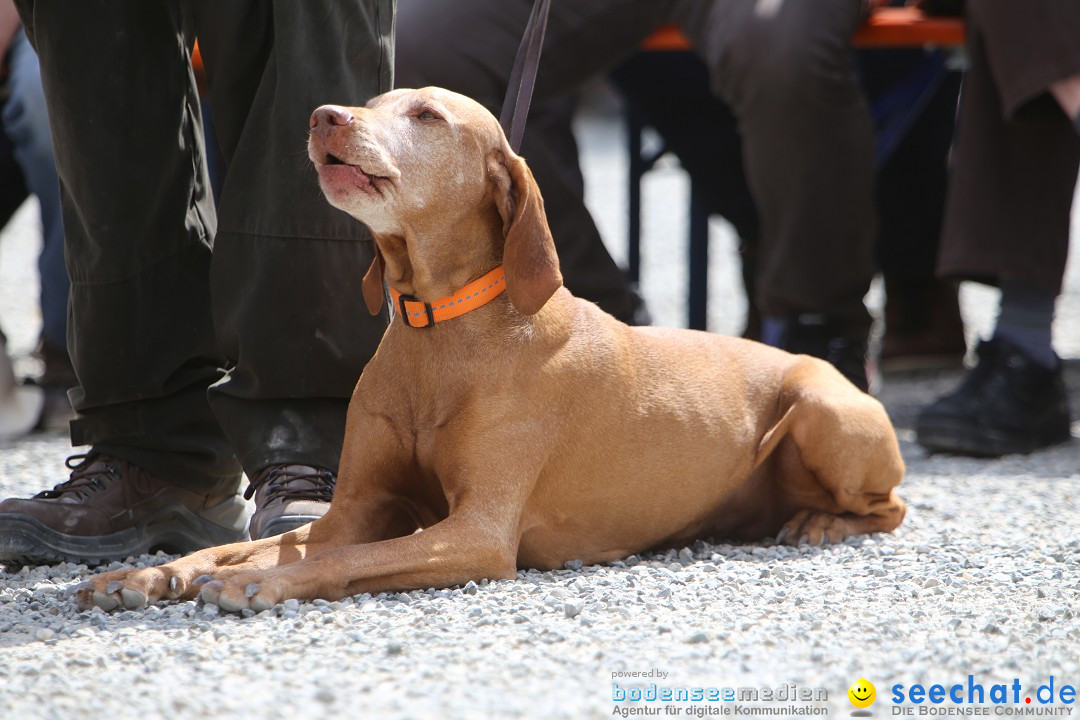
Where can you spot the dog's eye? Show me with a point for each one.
(427, 116)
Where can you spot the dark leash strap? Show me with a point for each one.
(523, 77)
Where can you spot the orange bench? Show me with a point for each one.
(885, 27)
(908, 27)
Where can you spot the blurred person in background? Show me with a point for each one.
(24, 122)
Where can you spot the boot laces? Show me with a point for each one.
(286, 483)
(89, 472)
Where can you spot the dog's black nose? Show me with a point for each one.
(328, 116)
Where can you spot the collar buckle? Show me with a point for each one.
(405, 315)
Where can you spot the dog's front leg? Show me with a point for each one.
(182, 578)
(365, 508)
(376, 517)
(465, 546)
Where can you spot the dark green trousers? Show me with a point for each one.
(257, 300)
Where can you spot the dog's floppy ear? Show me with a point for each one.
(529, 258)
(372, 285)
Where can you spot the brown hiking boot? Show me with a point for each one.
(110, 509)
(287, 497)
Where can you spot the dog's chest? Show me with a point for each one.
(425, 444)
(444, 394)
(433, 424)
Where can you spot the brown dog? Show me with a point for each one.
(533, 429)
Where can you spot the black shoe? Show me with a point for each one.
(817, 335)
(1006, 404)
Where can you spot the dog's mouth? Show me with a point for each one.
(333, 168)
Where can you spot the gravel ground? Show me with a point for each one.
(982, 579)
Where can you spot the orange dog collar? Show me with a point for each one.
(418, 314)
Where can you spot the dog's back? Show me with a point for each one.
(660, 432)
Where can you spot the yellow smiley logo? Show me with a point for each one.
(862, 693)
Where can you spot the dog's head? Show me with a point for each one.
(431, 174)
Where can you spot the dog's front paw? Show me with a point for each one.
(244, 592)
(108, 594)
(133, 589)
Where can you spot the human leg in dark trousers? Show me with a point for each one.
(139, 230)
(587, 266)
(670, 92)
(287, 303)
(469, 47)
(923, 326)
(25, 123)
(788, 74)
(1007, 223)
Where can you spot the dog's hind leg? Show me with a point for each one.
(844, 460)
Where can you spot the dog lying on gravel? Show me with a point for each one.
(517, 425)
